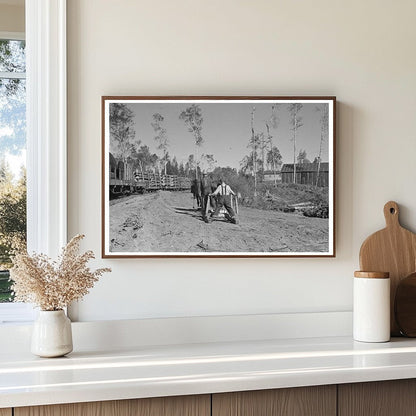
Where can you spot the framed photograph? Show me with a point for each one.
(218, 177)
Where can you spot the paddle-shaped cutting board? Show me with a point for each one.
(393, 250)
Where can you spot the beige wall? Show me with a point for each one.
(12, 18)
(361, 51)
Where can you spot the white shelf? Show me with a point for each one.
(151, 371)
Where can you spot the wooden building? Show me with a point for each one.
(306, 173)
(270, 176)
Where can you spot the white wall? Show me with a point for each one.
(361, 51)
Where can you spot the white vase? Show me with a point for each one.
(52, 334)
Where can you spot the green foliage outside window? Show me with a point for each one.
(12, 148)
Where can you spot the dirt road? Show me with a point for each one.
(166, 222)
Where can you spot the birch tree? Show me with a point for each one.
(263, 148)
(208, 162)
(274, 159)
(255, 161)
(269, 157)
(143, 159)
(302, 157)
(122, 131)
(323, 121)
(253, 144)
(296, 123)
(161, 138)
(247, 164)
(275, 118)
(193, 120)
(190, 165)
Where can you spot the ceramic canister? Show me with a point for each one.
(371, 310)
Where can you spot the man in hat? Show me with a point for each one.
(223, 193)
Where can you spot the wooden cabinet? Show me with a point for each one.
(163, 406)
(300, 401)
(381, 398)
(385, 398)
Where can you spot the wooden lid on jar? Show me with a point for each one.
(372, 275)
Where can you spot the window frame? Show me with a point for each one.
(46, 125)
(14, 312)
(46, 138)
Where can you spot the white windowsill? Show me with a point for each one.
(16, 313)
(12, 35)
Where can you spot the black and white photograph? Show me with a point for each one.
(223, 176)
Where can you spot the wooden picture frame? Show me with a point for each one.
(275, 156)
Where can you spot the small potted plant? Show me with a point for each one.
(52, 286)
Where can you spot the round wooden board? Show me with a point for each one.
(405, 306)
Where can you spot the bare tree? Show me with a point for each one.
(270, 159)
(324, 134)
(253, 144)
(193, 119)
(274, 118)
(296, 123)
(263, 147)
(273, 157)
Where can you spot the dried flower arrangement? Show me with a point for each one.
(53, 285)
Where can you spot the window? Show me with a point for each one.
(12, 155)
(12, 166)
(46, 134)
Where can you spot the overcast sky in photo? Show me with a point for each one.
(226, 130)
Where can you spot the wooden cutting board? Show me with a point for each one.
(393, 250)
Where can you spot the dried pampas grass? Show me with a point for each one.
(53, 285)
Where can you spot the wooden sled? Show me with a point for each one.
(223, 212)
(234, 203)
